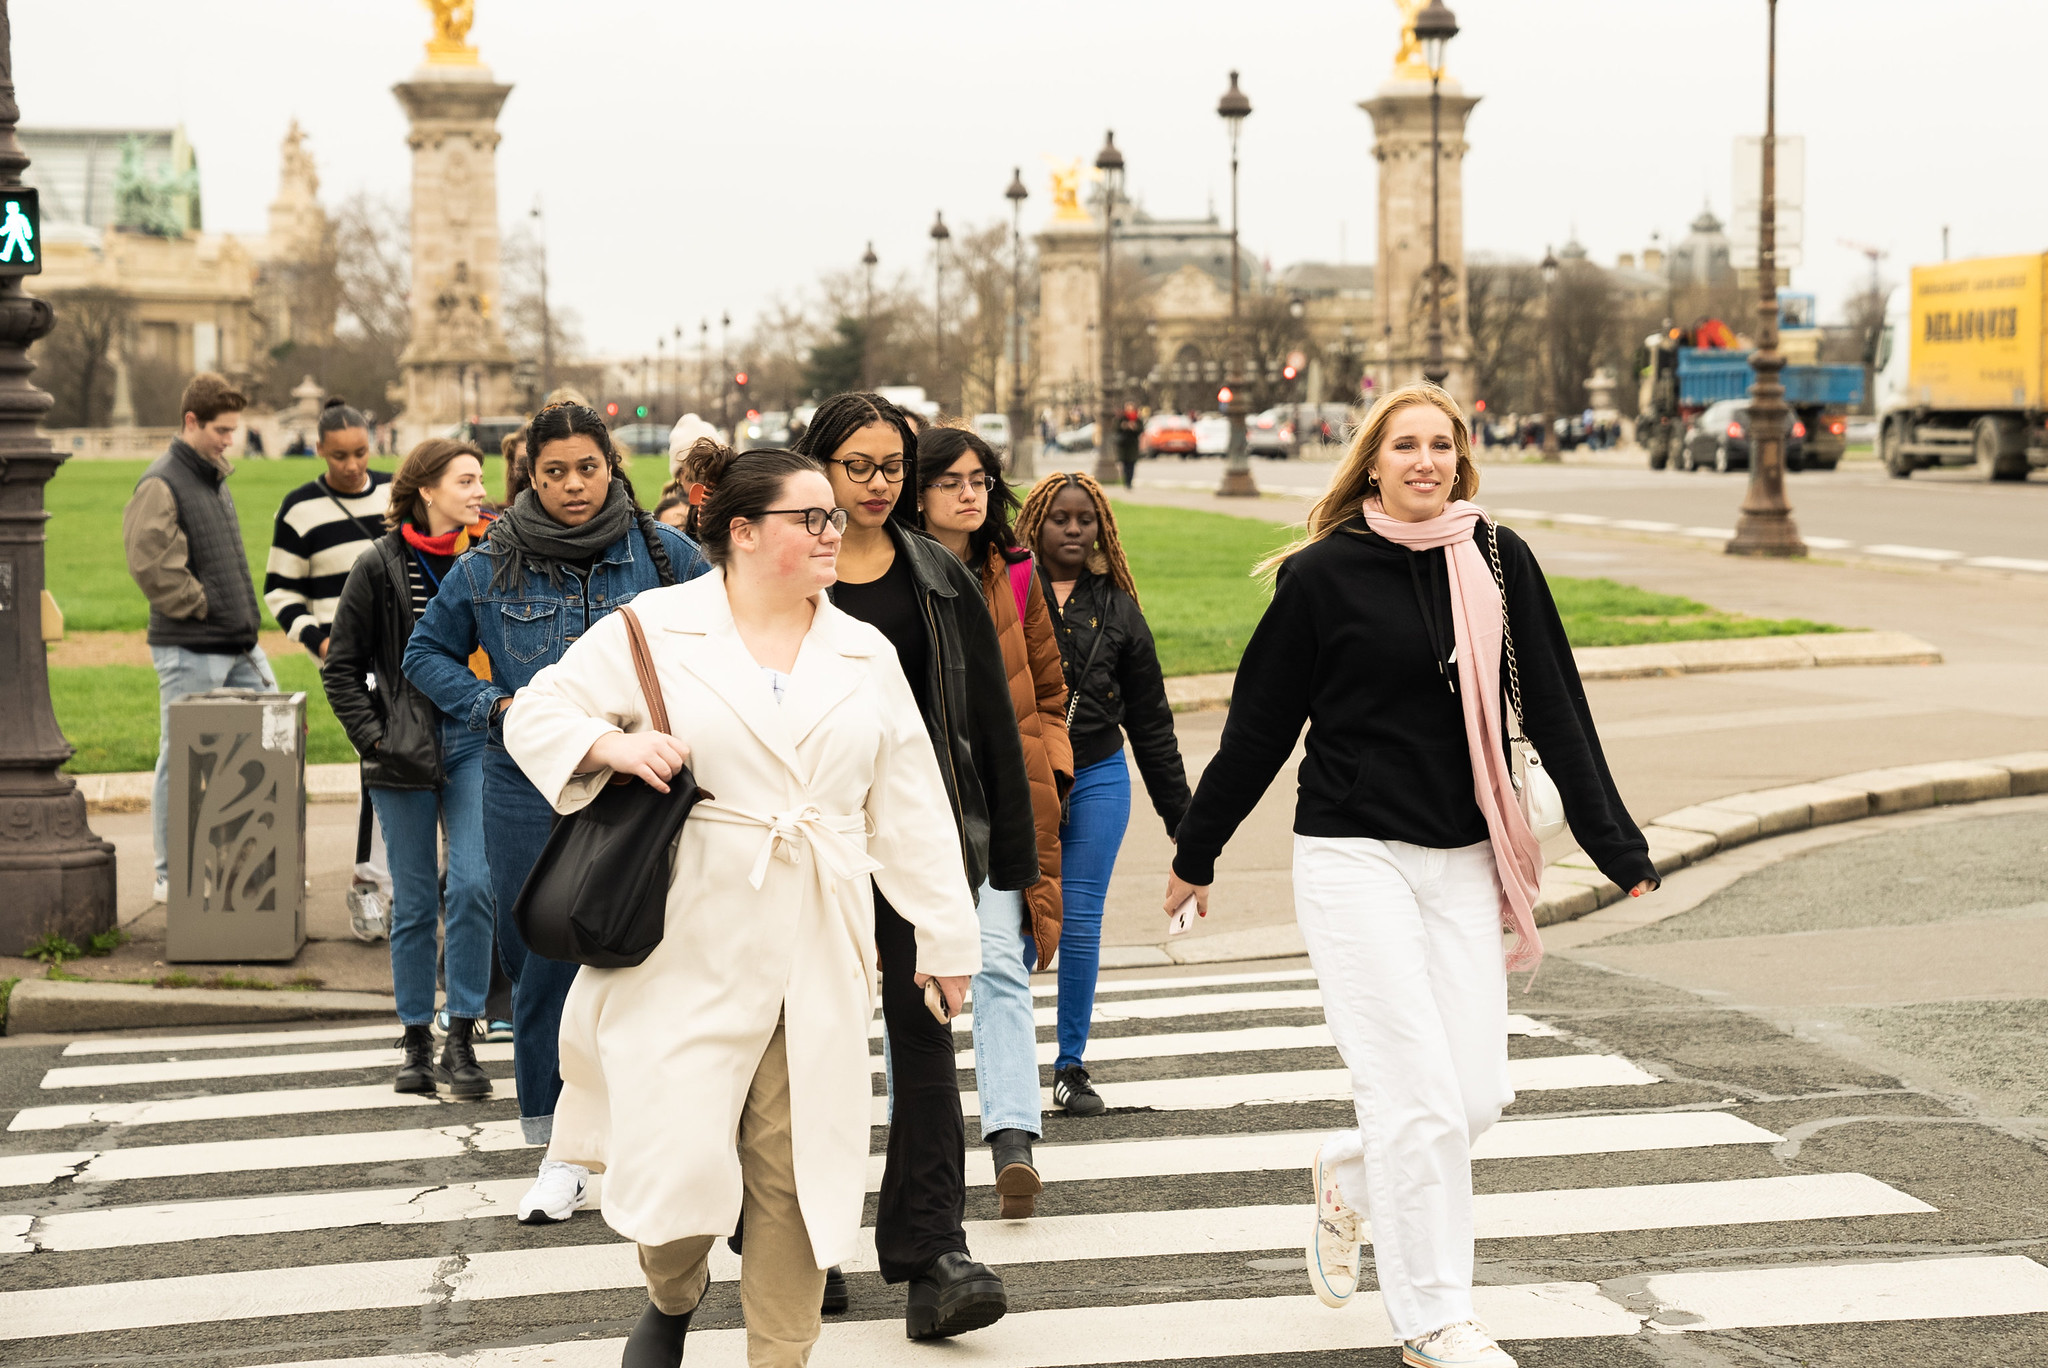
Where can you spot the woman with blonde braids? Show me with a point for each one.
(1115, 689)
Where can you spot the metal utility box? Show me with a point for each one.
(237, 827)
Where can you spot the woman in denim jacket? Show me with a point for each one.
(569, 550)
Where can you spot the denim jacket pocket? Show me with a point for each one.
(530, 629)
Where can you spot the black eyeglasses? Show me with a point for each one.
(815, 518)
(861, 470)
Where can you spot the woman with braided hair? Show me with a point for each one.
(570, 548)
(1116, 690)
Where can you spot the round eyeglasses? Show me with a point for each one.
(860, 470)
(815, 519)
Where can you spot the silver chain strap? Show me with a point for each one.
(1506, 630)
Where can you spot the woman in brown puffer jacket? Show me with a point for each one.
(966, 505)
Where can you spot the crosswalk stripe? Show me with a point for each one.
(1508, 1215)
(1154, 1009)
(1840, 1294)
(1059, 1239)
(1103, 1159)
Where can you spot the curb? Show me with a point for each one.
(1572, 887)
(1813, 650)
(65, 1007)
(130, 791)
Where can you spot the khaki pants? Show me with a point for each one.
(780, 1282)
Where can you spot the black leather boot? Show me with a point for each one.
(416, 1071)
(657, 1341)
(836, 1295)
(1017, 1181)
(953, 1296)
(459, 1072)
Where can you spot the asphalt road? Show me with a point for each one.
(1682, 1181)
(1857, 504)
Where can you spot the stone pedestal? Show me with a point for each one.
(1069, 316)
(457, 364)
(1401, 145)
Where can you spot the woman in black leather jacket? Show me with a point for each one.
(422, 770)
(1116, 691)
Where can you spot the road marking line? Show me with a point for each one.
(1708, 533)
(1581, 519)
(242, 1066)
(1926, 553)
(1828, 543)
(1153, 1009)
(497, 1275)
(254, 1040)
(1644, 525)
(2039, 567)
(1109, 1159)
(1838, 1294)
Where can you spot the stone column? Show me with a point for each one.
(457, 364)
(56, 876)
(1400, 119)
(1069, 309)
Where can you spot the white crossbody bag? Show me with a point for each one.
(1542, 804)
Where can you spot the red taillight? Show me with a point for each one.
(1735, 429)
(1798, 428)
(1838, 427)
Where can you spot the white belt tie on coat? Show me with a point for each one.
(836, 860)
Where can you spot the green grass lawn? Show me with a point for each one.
(109, 713)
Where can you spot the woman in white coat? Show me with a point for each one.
(729, 1071)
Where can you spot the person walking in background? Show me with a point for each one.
(422, 769)
(321, 529)
(567, 552)
(1118, 690)
(727, 1075)
(183, 544)
(929, 607)
(512, 449)
(966, 505)
(1388, 636)
(1130, 429)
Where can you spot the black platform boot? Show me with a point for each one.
(1017, 1181)
(657, 1341)
(416, 1071)
(459, 1072)
(955, 1295)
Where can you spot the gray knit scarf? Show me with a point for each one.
(525, 537)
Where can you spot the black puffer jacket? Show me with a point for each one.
(1118, 689)
(395, 727)
(975, 732)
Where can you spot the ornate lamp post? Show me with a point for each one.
(703, 361)
(1434, 29)
(547, 331)
(940, 232)
(675, 374)
(1110, 162)
(867, 318)
(58, 875)
(1016, 194)
(1549, 269)
(724, 370)
(1297, 309)
(1233, 109)
(1765, 527)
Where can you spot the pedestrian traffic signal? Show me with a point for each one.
(640, 411)
(21, 229)
(1288, 372)
(1480, 406)
(611, 410)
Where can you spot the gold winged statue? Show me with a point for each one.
(450, 44)
(1408, 63)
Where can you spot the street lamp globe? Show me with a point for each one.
(1297, 308)
(1549, 267)
(1434, 28)
(1017, 194)
(1110, 162)
(1233, 108)
(940, 232)
(868, 258)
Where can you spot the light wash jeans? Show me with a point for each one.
(1005, 1038)
(181, 671)
(413, 819)
(1406, 945)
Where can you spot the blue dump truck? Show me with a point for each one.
(1681, 380)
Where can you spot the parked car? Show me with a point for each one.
(1719, 439)
(1272, 433)
(488, 434)
(639, 439)
(993, 428)
(769, 429)
(1167, 434)
(1212, 434)
(1081, 438)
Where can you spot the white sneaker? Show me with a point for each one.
(160, 891)
(1333, 1240)
(1463, 1345)
(556, 1195)
(369, 912)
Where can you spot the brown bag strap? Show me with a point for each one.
(643, 666)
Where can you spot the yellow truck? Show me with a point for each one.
(1960, 369)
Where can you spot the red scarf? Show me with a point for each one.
(452, 543)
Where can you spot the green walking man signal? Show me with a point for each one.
(21, 242)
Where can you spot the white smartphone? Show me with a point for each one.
(935, 1002)
(1181, 918)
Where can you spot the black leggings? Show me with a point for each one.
(924, 1186)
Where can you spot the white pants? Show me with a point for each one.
(1406, 943)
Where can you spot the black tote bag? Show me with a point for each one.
(598, 894)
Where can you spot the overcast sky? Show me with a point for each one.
(699, 157)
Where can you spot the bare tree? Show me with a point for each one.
(1504, 312)
(520, 311)
(1582, 333)
(76, 359)
(373, 270)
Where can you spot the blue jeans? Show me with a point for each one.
(412, 821)
(1098, 811)
(181, 671)
(1005, 1039)
(518, 828)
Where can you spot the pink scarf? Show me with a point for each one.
(1476, 622)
